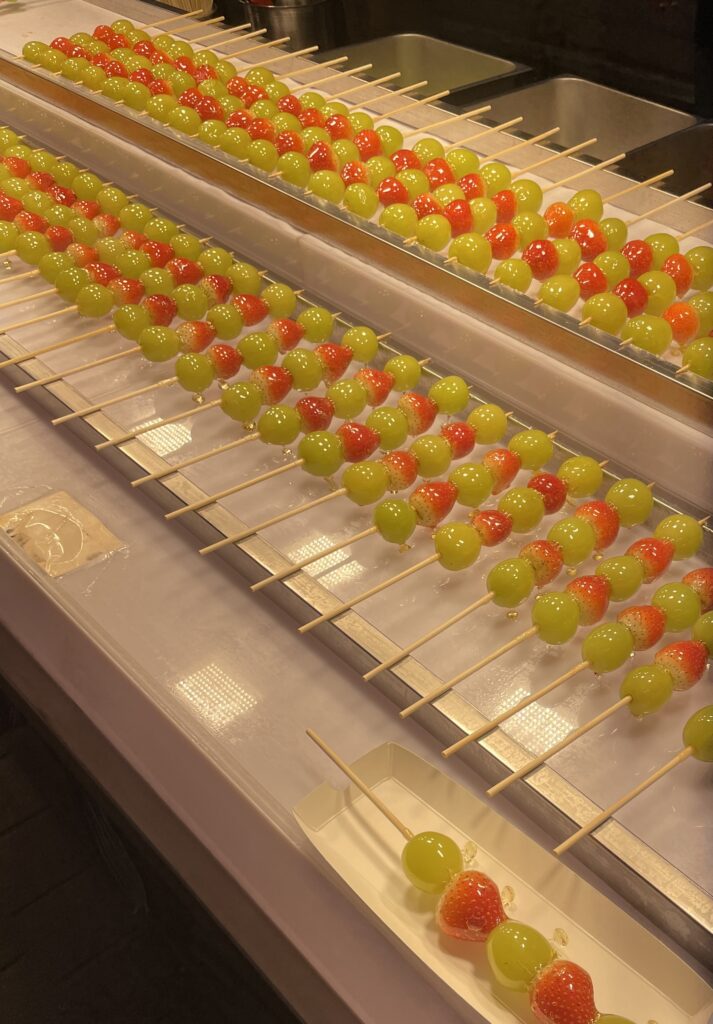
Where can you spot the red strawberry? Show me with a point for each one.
(470, 907)
(503, 240)
(645, 622)
(592, 595)
(492, 525)
(338, 127)
(259, 128)
(321, 157)
(101, 273)
(226, 360)
(203, 73)
(290, 104)
(289, 142)
(402, 468)
(41, 180)
(209, 109)
(506, 203)
(27, 221)
(65, 45)
(239, 119)
(545, 559)
(432, 501)
(459, 216)
(162, 309)
(563, 994)
(127, 289)
(633, 295)
(354, 172)
(591, 280)
(686, 660)
(460, 436)
(252, 94)
(17, 167)
(403, 159)
(252, 308)
(142, 75)
(310, 117)
(315, 412)
(677, 266)
(158, 252)
(135, 239)
(88, 208)
(9, 207)
(358, 440)
(334, 359)
(504, 465)
(702, 582)
(590, 238)
(391, 190)
(419, 410)
(426, 204)
(288, 333)
(376, 383)
(438, 172)
(237, 85)
(58, 237)
(63, 196)
(368, 143)
(473, 186)
(191, 98)
(217, 287)
(195, 335)
(184, 271)
(552, 489)
(275, 382)
(640, 256)
(655, 555)
(604, 520)
(82, 254)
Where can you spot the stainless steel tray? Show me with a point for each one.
(689, 152)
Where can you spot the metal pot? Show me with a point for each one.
(306, 22)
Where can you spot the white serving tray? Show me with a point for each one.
(634, 974)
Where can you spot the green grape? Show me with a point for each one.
(31, 246)
(434, 232)
(530, 227)
(111, 199)
(615, 231)
(648, 332)
(195, 371)
(226, 321)
(391, 138)
(157, 281)
(632, 499)
(206, 58)
(415, 182)
(702, 302)
(279, 424)
(69, 283)
(83, 231)
(528, 194)
(556, 616)
(260, 76)
(360, 121)
(160, 229)
(257, 349)
(406, 371)
(236, 141)
(59, 214)
(649, 687)
(379, 167)
(363, 342)
(430, 860)
(450, 394)
(185, 120)
(391, 426)
(361, 199)
(575, 538)
(8, 137)
(474, 483)
(8, 236)
(321, 452)
(327, 185)
(587, 204)
(484, 213)
(465, 161)
(16, 187)
(684, 532)
(470, 249)
(263, 155)
(191, 300)
(94, 300)
(525, 506)
(614, 266)
(582, 474)
(87, 185)
(52, 60)
(212, 131)
(264, 108)
(305, 367)
(701, 260)
(345, 151)
(159, 344)
(457, 546)
(496, 177)
(489, 422)
(661, 291)
(517, 954)
(606, 311)
(365, 482)
(559, 292)
(52, 264)
(625, 575)
(447, 193)
(534, 447)
(698, 357)
(130, 320)
(214, 260)
(241, 401)
(332, 107)
(136, 95)
(703, 631)
(513, 273)
(680, 604)
(663, 245)
(428, 149)
(349, 398)
(245, 277)
(159, 107)
(37, 202)
(511, 582)
(607, 647)
(698, 734)
(318, 323)
(34, 51)
(280, 298)
(284, 122)
(225, 70)
(395, 519)
(134, 216)
(312, 99)
(74, 68)
(569, 255)
(433, 453)
(315, 134)
(41, 160)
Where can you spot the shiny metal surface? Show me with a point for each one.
(584, 109)
(689, 152)
(306, 23)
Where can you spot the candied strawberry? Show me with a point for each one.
(158, 252)
(604, 520)
(702, 582)
(9, 207)
(542, 258)
(316, 412)
(563, 993)
(40, 180)
(506, 204)
(459, 216)
(419, 410)
(287, 332)
(114, 69)
(470, 907)
(640, 256)
(492, 525)
(677, 266)
(135, 239)
(645, 622)
(406, 159)
(261, 128)
(378, 384)
(63, 196)
(684, 320)
(503, 240)
(252, 308)
(402, 467)
(209, 109)
(127, 290)
(432, 501)
(161, 308)
(590, 238)
(226, 360)
(473, 186)
(335, 359)
(504, 466)
(184, 271)
(17, 167)
(237, 85)
(338, 127)
(426, 204)
(191, 98)
(686, 661)
(321, 157)
(358, 440)
(204, 73)
(58, 237)
(101, 273)
(368, 143)
(290, 104)
(82, 254)
(239, 119)
(354, 172)
(159, 88)
(591, 280)
(560, 219)
(65, 45)
(592, 595)
(142, 75)
(633, 294)
(655, 555)
(311, 117)
(252, 94)
(88, 208)
(275, 382)
(545, 559)
(552, 489)
(438, 172)
(27, 221)
(289, 142)
(391, 190)
(460, 436)
(195, 335)
(217, 287)
(106, 224)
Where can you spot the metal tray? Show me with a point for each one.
(689, 152)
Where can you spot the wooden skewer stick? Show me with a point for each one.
(337, 74)
(348, 605)
(535, 762)
(55, 345)
(27, 298)
(654, 180)
(414, 103)
(175, 17)
(37, 319)
(53, 378)
(250, 531)
(696, 230)
(525, 142)
(436, 631)
(208, 21)
(212, 498)
(248, 35)
(366, 85)
(520, 706)
(178, 466)
(556, 156)
(448, 120)
(311, 559)
(586, 170)
(261, 46)
(361, 785)
(19, 277)
(679, 758)
(222, 32)
(485, 131)
(446, 687)
(88, 410)
(670, 202)
(399, 92)
(287, 56)
(148, 427)
(320, 67)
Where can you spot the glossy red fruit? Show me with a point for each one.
(239, 119)
(492, 526)
(560, 219)
(404, 159)
(686, 660)
(338, 127)
(354, 172)
(86, 208)
(252, 94)
(591, 280)
(432, 501)
(654, 554)
(134, 238)
(101, 32)
(592, 595)
(217, 287)
(503, 240)
(59, 237)
(63, 44)
(604, 520)
(545, 559)
(252, 308)
(402, 467)
(161, 308)
(27, 221)
(290, 104)
(82, 254)
(289, 142)
(321, 157)
(677, 267)
(142, 75)
(127, 290)
(702, 582)
(633, 295)
(209, 109)
(645, 622)
(504, 466)
(191, 98)
(420, 411)
(590, 238)
(9, 207)
(310, 117)
(275, 383)
(106, 224)
(376, 383)
(287, 332)
(473, 186)
(115, 70)
(459, 216)
(195, 335)
(144, 48)
(204, 73)
(640, 256)
(40, 180)
(506, 204)
(551, 488)
(470, 907)
(391, 190)
(460, 436)
(316, 412)
(368, 143)
(17, 167)
(334, 359)
(101, 273)
(438, 172)
(542, 258)
(563, 994)
(226, 360)
(261, 128)
(358, 440)
(684, 320)
(158, 252)
(237, 85)
(62, 195)
(426, 204)
(184, 271)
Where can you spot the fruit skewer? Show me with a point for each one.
(697, 742)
